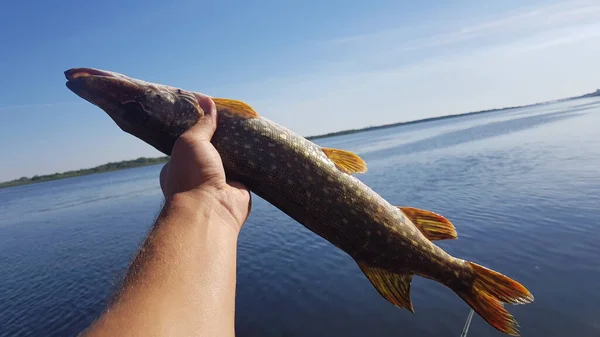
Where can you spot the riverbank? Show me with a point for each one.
(112, 166)
(431, 119)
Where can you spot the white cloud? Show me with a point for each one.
(521, 57)
(521, 21)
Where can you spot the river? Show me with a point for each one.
(521, 186)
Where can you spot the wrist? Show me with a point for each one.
(208, 203)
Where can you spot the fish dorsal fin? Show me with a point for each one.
(235, 107)
(432, 225)
(393, 287)
(345, 161)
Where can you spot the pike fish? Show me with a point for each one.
(314, 185)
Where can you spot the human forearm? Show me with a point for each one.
(182, 282)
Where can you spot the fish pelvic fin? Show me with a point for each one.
(345, 161)
(432, 225)
(488, 292)
(392, 286)
(235, 107)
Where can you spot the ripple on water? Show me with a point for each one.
(520, 186)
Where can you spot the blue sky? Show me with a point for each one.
(314, 66)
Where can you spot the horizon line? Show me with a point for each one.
(364, 129)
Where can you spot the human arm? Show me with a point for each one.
(182, 281)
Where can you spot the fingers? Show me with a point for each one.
(163, 177)
(204, 129)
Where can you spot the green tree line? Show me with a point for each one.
(112, 166)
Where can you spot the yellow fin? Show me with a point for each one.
(235, 107)
(346, 161)
(489, 291)
(432, 225)
(393, 287)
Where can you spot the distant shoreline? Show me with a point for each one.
(418, 121)
(108, 167)
(143, 161)
(431, 119)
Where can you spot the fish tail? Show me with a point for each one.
(487, 293)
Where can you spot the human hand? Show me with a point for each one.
(195, 170)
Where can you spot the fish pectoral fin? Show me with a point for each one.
(235, 107)
(345, 161)
(432, 225)
(393, 287)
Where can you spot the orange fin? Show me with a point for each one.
(345, 161)
(235, 107)
(487, 294)
(432, 225)
(393, 287)
(500, 286)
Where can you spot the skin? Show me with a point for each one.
(182, 281)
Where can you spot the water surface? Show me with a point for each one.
(521, 186)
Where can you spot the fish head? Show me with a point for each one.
(154, 113)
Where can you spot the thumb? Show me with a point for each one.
(163, 177)
(206, 125)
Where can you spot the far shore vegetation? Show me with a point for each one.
(113, 166)
(143, 161)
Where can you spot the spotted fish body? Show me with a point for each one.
(313, 185)
(296, 176)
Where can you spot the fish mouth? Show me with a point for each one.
(154, 113)
(123, 99)
(101, 88)
(75, 73)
